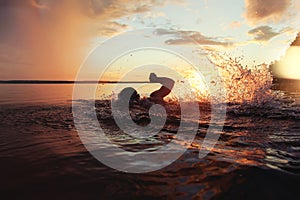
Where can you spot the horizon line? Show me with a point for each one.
(36, 81)
(65, 82)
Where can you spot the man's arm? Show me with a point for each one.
(167, 82)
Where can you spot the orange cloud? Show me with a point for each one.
(55, 35)
(263, 33)
(296, 41)
(235, 25)
(266, 10)
(187, 37)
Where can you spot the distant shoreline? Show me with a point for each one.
(65, 82)
(280, 80)
(275, 80)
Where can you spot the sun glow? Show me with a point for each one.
(197, 84)
(196, 81)
(289, 67)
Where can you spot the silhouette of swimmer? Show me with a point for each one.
(167, 85)
(156, 96)
(129, 93)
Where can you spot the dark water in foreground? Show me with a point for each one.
(42, 157)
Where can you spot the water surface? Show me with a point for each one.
(42, 156)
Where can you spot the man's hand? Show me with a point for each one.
(153, 78)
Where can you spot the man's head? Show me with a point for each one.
(130, 94)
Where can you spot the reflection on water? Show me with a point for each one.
(61, 93)
(35, 93)
(257, 155)
(290, 87)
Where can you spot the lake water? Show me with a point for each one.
(42, 156)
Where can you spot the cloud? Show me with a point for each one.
(38, 4)
(111, 28)
(113, 9)
(266, 10)
(296, 41)
(55, 35)
(188, 37)
(263, 33)
(235, 25)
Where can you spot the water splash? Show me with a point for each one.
(249, 89)
(244, 84)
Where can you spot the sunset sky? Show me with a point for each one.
(49, 39)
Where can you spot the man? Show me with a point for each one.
(167, 85)
(157, 96)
